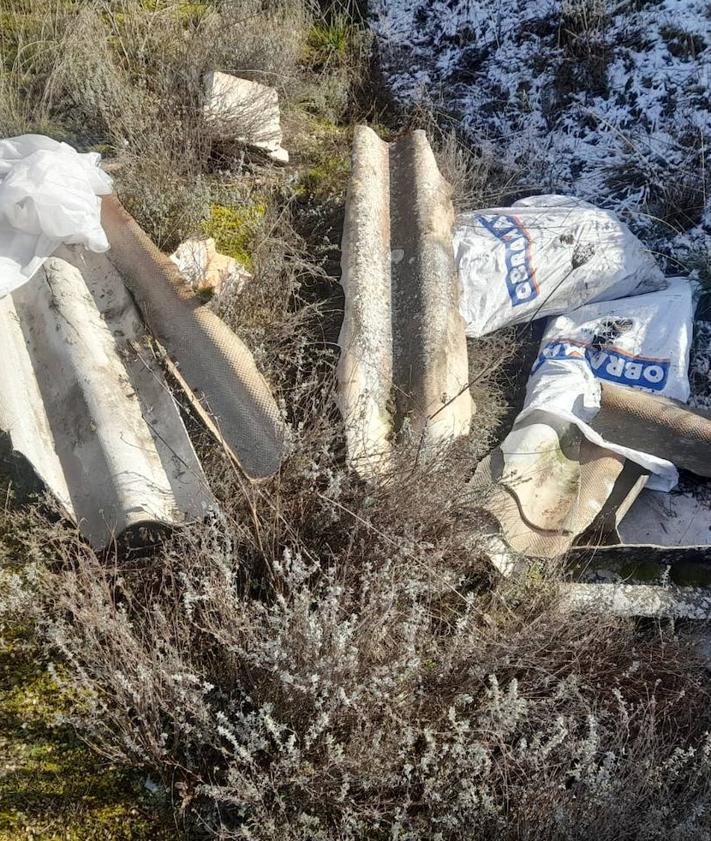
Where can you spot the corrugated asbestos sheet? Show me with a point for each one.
(215, 367)
(549, 488)
(655, 425)
(546, 484)
(403, 349)
(85, 409)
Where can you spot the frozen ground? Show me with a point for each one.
(608, 101)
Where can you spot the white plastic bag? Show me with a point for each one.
(49, 194)
(640, 342)
(543, 256)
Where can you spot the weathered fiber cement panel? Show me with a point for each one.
(544, 492)
(546, 484)
(656, 425)
(403, 350)
(246, 112)
(85, 409)
(215, 367)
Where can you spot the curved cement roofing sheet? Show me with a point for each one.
(85, 410)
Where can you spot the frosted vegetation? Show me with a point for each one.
(606, 100)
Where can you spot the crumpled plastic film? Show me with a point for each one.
(49, 195)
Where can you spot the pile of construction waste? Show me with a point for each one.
(93, 317)
(604, 428)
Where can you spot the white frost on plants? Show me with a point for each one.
(608, 101)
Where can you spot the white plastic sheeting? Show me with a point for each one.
(544, 256)
(49, 195)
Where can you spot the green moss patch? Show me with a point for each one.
(235, 229)
(52, 786)
(326, 179)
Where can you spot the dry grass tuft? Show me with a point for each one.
(586, 50)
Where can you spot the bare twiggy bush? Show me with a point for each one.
(471, 172)
(328, 665)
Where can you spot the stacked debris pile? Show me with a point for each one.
(605, 425)
(85, 408)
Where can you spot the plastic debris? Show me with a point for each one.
(640, 342)
(49, 194)
(246, 112)
(544, 256)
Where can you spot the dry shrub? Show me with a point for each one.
(474, 174)
(328, 664)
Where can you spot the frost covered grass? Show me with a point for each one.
(600, 99)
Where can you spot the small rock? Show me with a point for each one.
(205, 269)
(245, 111)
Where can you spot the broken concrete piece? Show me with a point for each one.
(205, 269)
(85, 411)
(632, 600)
(246, 112)
(214, 366)
(403, 349)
